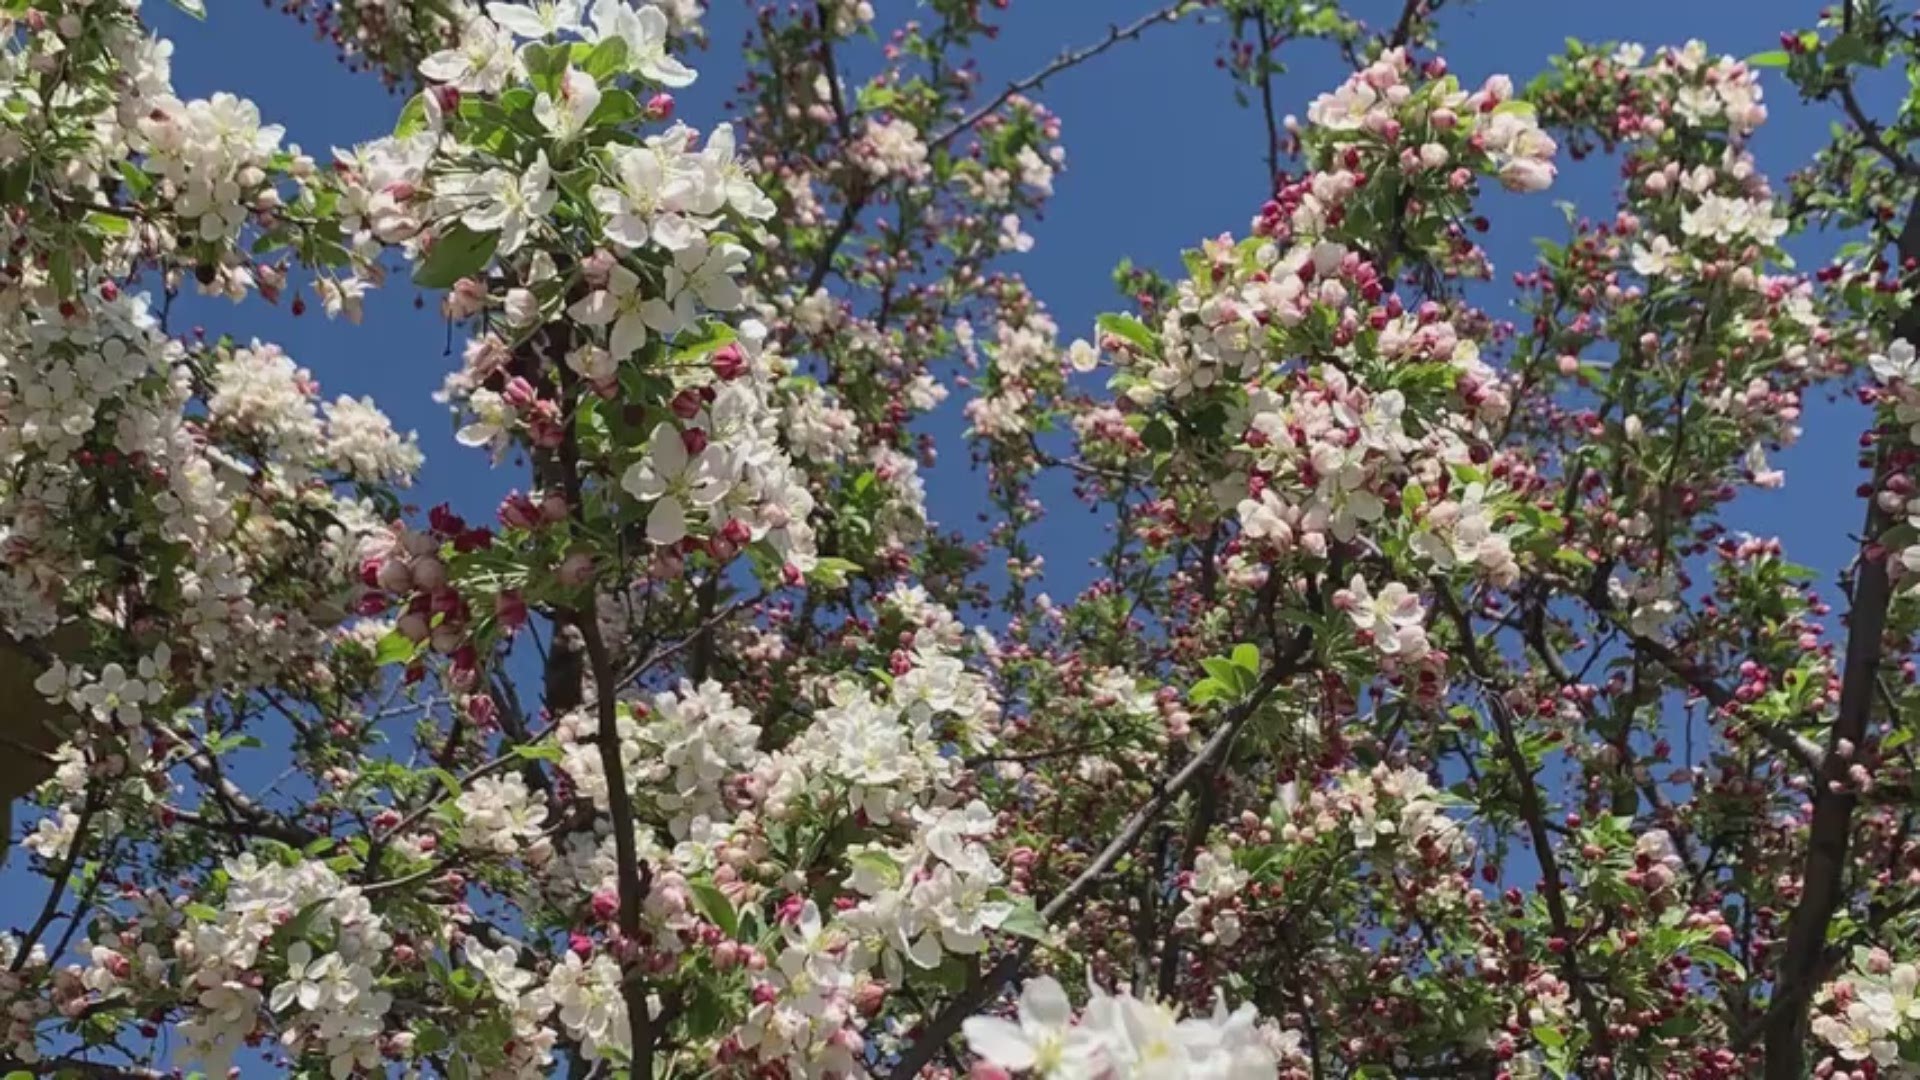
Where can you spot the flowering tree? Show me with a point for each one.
(1359, 759)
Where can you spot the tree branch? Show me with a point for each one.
(1533, 813)
(1071, 58)
(1830, 833)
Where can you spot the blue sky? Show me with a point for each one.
(1159, 156)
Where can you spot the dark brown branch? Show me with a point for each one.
(243, 810)
(633, 880)
(1834, 799)
(1266, 104)
(841, 119)
(1206, 807)
(1870, 132)
(1809, 754)
(822, 263)
(1410, 16)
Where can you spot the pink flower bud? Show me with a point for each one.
(428, 573)
(466, 299)
(447, 639)
(575, 570)
(413, 626)
(729, 361)
(511, 609)
(394, 576)
(597, 267)
(520, 393)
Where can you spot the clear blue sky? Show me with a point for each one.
(1159, 156)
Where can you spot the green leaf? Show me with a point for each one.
(875, 97)
(607, 58)
(546, 64)
(1720, 958)
(1412, 498)
(578, 182)
(14, 184)
(429, 1039)
(1772, 58)
(1246, 657)
(616, 107)
(302, 922)
(691, 344)
(832, 573)
(1549, 1036)
(459, 252)
(394, 648)
(1025, 922)
(545, 751)
(1522, 108)
(192, 7)
(705, 1013)
(1847, 49)
(515, 101)
(879, 864)
(413, 118)
(60, 265)
(1157, 435)
(134, 177)
(715, 906)
(1232, 678)
(202, 912)
(110, 224)
(1129, 329)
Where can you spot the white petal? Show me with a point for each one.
(999, 1041)
(629, 335)
(476, 434)
(667, 522)
(444, 66)
(595, 309)
(667, 449)
(1044, 1001)
(667, 71)
(518, 18)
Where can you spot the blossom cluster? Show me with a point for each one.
(1122, 1036)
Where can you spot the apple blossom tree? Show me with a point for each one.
(1430, 714)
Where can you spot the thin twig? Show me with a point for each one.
(1071, 58)
(61, 877)
(1533, 813)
